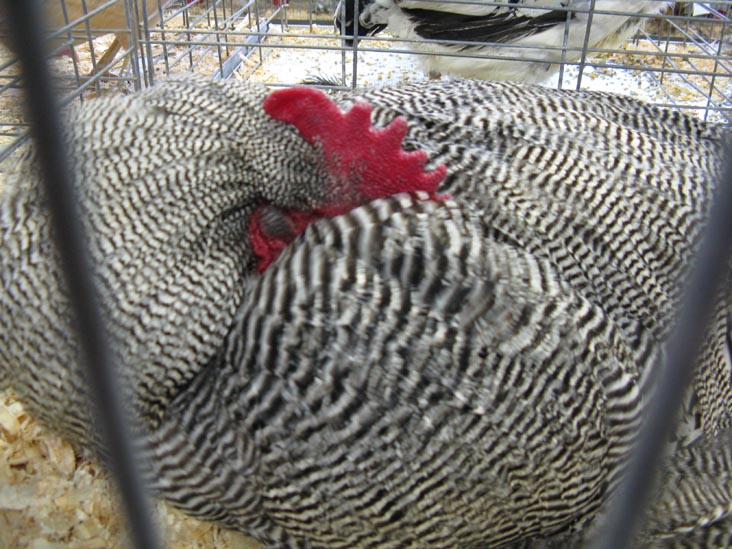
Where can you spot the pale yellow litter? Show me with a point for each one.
(51, 498)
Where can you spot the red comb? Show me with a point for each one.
(363, 157)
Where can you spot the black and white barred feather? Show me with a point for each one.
(416, 373)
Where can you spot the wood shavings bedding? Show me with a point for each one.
(291, 56)
(676, 59)
(52, 498)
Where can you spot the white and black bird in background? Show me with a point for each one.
(519, 40)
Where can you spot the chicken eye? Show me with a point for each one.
(277, 224)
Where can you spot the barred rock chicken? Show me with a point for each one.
(320, 360)
(512, 40)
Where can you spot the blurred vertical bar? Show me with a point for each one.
(673, 376)
(27, 24)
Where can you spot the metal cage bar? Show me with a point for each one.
(673, 372)
(97, 354)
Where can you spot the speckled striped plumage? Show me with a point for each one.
(467, 372)
(166, 180)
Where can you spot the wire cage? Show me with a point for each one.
(679, 59)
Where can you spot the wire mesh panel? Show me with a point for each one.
(693, 51)
(678, 57)
(86, 40)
